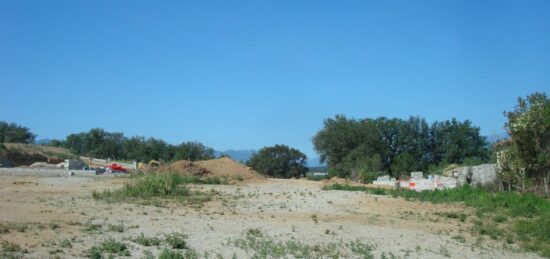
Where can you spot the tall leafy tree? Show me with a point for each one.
(279, 161)
(193, 151)
(454, 141)
(395, 145)
(529, 127)
(13, 133)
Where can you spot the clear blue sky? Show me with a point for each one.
(247, 74)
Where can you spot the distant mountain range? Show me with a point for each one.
(44, 141)
(245, 155)
(237, 155)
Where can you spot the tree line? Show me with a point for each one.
(359, 147)
(100, 143)
(13, 133)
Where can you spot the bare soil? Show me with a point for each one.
(53, 209)
(220, 167)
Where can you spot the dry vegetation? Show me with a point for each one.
(160, 216)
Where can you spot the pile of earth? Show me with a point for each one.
(221, 167)
(17, 154)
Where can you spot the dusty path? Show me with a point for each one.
(45, 211)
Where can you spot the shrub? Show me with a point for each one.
(147, 241)
(10, 247)
(159, 186)
(176, 240)
(66, 243)
(110, 246)
(169, 254)
(116, 228)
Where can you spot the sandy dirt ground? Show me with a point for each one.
(45, 211)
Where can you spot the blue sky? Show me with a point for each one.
(248, 74)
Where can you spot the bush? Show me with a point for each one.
(279, 161)
(110, 246)
(159, 186)
(344, 187)
(147, 241)
(176, 241)
(169, 254)
(368, 177)
(116, 228)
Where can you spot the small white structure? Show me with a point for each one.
(385, 181)
(432, 183)
(417, 175)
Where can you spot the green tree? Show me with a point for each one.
(13, 133)
(340, 136)
(454, 141)
(351, 146)
(279, 161)
(193, 151)
(403, 164)
(529, 126)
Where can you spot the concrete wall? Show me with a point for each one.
(484, 174)
(475, 175)
(75, 164)
(47, 172)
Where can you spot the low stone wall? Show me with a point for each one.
(46, 172)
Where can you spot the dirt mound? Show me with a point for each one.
(221, 167)
(185, 167)
(226, 167)
(16, 154)
(42, 165)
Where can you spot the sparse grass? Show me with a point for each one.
(453, 215)
(22, 227)
(259, 245)
(315, 218)
(344, 187)
(500, 218)
(4, 229)
(163, 186)
(534, 234)
(66, 243)
(170, 254)
(147, 241)
(176, 241)
(459, 238)
(109, 246)
(531, 213)
(54, 226)
(10, 247)
(116, 228)
(361, 249)
(91, 228)
(444, 251)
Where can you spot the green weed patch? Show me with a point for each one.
(531, 212)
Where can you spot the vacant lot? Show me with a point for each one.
(42, 217)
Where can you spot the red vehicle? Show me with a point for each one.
(116, 168)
